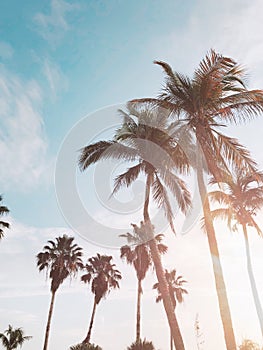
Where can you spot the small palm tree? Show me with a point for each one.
(141, 345)
(3, 224)
(12, 338)
(241, 196)
(176, 291)
(140, 257)
(104, 277)
(84, 346)
(61, 259)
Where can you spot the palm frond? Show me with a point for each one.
(161, 198)
(178, 188)
(104, 150)
(127, 177)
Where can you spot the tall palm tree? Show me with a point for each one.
(61, 259)
(241, 196)
(12, 338)
(139, 255)
(214, 97)
(176, 291)
(3, 224)
(143, 139)
(104, 277)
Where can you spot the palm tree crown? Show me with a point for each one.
(12, 338)
(61, 258)
(241, 195)
(3, 224)
(102, 274)
(215, 96)
(175, 285)
(144, 138)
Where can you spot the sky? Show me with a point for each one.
(65, 69)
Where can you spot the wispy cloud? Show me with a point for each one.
(23, 145)
(6, 50)
(56, 79)
(52, 26)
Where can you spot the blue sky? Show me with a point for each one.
(61, 61)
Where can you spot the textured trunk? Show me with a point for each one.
(138, 323)
(87, 339)
(217, 268)
(49, 320)
(169, 310)
(252, 281)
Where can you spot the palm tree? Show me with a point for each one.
(143, 138)
(176, 291)
(140, 257)
(61, 259)
(3, 224)
(141, 345)
(215, 96)
(13, 337)
(104, 277)
(241, 196)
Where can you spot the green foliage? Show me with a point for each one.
(141, 345)
(83, 346)
(13, 337)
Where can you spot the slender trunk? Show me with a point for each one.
(138, 323)
(252, 281)
(217, 268)
(49, 320)
(171, 341)
(87, 339)
(169, 310)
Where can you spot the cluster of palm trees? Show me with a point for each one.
(182, 129)
(164, 139)
(62, 258)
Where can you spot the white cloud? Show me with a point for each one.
(51, 27)
(23, 145)
(6, 50)
(56, 79)
(231, 28)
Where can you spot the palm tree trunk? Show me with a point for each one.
(49, 320)
(174, 327)
(217, 268)
(252, 281)
(171, 341)
(87, 339)
(138, 321)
